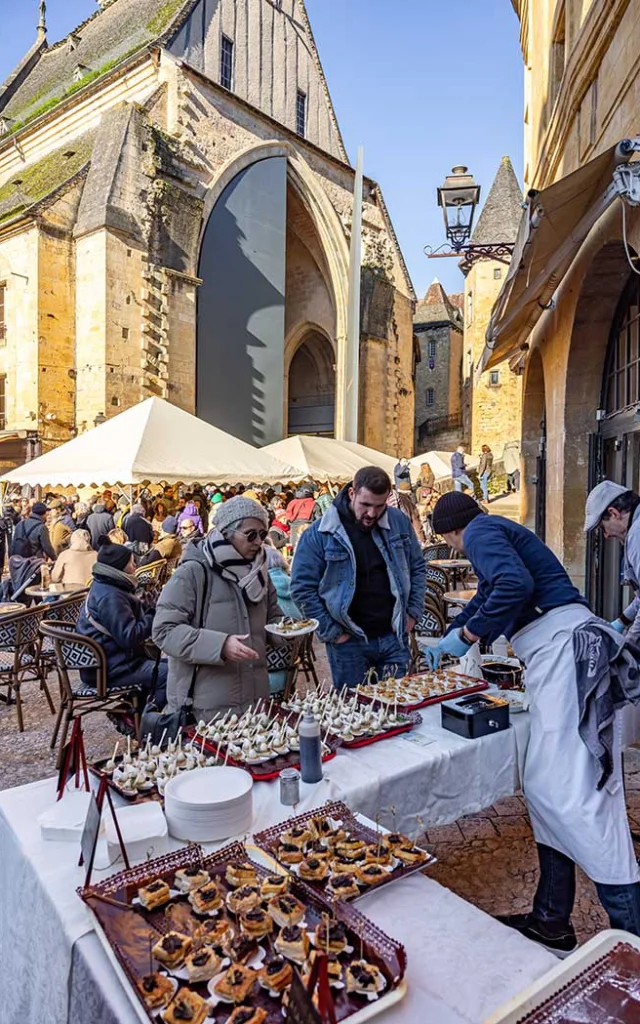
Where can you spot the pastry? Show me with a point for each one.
(202, 964)
(289, 853)
(207, 897)
(256, 923)
(293, 942)
(236, 983)
(241, 873)
(330, 935)
(371, 874)
(363, 977)
(155, 894)
(156, 990)
(343, 887)
(286, 910)
(213, 932)
(187, 1006)
(334, 968)
(243, 899)
(247, 1015)
(351, 849)
(276, 974)
(410, 854)
(239, 948)
(190, 878)
(396, 839)
(317, 848)
(379, 853)
(274, 885)
(320, 826)
(172, 948)
(297, 836)
(313, 869)
(340, 865)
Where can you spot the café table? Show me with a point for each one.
(60, 590)
(451, 566)
(461, 597)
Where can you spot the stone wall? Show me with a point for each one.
(19, 264)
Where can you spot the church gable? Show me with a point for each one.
(264, 52)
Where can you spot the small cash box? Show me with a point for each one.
(475, 715)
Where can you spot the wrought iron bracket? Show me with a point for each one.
(470, 254)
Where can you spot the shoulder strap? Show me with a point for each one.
(96, 625)
(203, 611)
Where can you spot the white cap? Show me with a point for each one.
(598, 501)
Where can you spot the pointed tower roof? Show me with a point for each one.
(502, 210)
(436, 309)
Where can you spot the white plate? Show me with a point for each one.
(272, 627)
(209, 787)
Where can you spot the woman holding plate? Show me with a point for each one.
(211, 615)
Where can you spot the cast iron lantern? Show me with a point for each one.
(458, 197)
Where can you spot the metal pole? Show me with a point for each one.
(352, 347)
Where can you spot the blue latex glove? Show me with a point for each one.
(618, 625)
(450, 644)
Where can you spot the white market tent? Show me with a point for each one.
(153, 442)
(327, 459)
(439, 463)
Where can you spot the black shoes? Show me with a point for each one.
(561, 941)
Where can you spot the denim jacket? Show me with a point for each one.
(323, 575)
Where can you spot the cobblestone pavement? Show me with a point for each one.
(488, 858)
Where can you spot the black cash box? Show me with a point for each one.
(475, 715)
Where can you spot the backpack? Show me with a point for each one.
(23, 545)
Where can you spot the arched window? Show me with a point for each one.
(622, 364)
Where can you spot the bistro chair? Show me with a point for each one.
(20, 660)
(153, 576)
(67, 609)
(75, 652)
(294, 657)
(432, 622)
(438, 577)
(432, 552)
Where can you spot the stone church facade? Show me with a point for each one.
(175, 214)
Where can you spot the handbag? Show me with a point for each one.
(165, 726)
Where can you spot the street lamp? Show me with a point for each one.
(458, 197)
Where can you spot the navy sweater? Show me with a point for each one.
(518, 577)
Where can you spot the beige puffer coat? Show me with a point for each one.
(219, 684)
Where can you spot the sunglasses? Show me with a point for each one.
(252, 535)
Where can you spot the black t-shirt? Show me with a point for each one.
(373, 602)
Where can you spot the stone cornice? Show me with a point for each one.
(595, 37)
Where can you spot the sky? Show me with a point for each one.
(439, 84)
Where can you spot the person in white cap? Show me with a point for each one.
(616, 510)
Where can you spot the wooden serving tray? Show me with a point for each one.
(130, 930)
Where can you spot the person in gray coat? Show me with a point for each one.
(211, 616)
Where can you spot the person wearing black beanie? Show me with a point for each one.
(525, 594)
(117, 619)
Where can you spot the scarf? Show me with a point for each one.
(107, 574)
(251, 577)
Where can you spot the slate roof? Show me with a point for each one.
(29, 187)
(436, 308)
(118, 30)
(502, 211)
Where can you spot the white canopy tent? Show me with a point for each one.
(154, 442)
(439, 463)
(327, 459)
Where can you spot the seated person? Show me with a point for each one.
(120, 622)
(188, 532)
(75, 564)
(167, 545)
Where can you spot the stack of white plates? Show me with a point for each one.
(209, 804)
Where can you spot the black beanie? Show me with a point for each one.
(115, 555)
(454, 511)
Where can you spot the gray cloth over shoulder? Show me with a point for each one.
(607, 678)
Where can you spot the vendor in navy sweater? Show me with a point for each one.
(525, 594)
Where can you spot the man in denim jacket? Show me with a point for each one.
(360, 572)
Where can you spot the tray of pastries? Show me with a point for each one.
(356, 721)
(263, 740)
(218, 937)
(142, 774)
(422, 689)
(333, 852)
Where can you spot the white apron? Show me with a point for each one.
(567, 812)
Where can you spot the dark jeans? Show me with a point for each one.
(553, 901)
(351, 660)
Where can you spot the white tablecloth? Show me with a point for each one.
(438, 778)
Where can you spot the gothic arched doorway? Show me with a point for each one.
(312, 387)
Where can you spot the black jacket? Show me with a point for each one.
(31, 539)
(137, 528)
(117, 609)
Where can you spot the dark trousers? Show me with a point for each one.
(142, 674)
(351, 660)
(555, 895)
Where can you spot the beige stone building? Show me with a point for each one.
(571, 306)
(175, 214)
(437, 324)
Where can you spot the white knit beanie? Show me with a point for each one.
(236, 509)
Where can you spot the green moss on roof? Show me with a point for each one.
(163, 15)
(43, 178)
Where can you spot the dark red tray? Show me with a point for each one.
(476, 685)
(266, 772)
(413, 719)
(97, 769)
